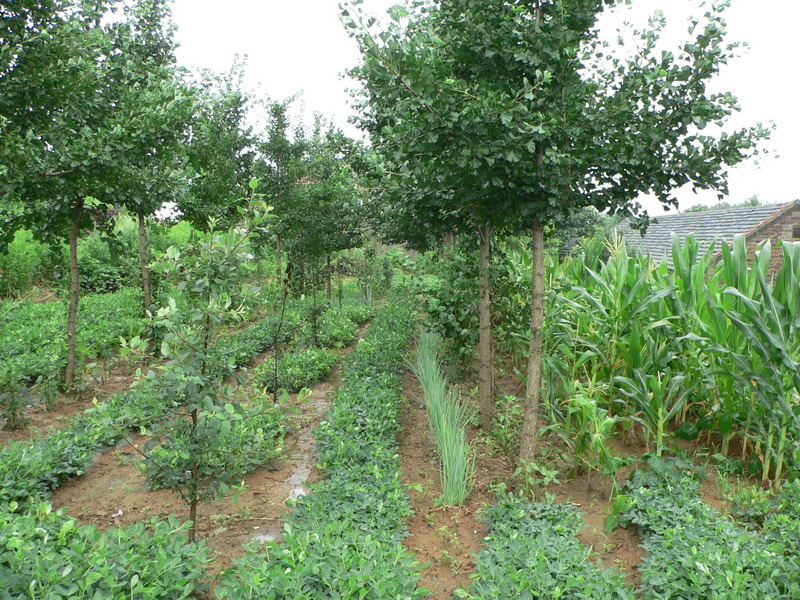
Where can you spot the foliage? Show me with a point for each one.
(186, 458)
(295, 370)
(220, 152)
(27, 261)
(507, 424)
(532, 551)
(692, 551)
(32, 339)
(14, 397)
(45, 554)
(358, 313)
(330, 329)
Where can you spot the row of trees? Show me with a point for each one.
(96, 115)
(511, 115)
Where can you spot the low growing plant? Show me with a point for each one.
(295, 370)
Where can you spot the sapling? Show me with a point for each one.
(191, 452)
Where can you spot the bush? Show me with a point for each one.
(296, 370)
(26, 261)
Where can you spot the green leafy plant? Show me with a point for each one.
(692, 551)
(295, 370)
(533, 551)
(47, 554)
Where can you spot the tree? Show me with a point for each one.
(510, 114)
(281, 152)
(61, 141)
(221, 151)
(323, 213)
(152, 94)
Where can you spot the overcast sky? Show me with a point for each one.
(300, 45)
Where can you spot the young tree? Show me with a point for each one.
(282, 151)
(512, 113)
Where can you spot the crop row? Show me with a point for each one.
(532, 551)
(693, 552)
(33, 336)
(343, 539)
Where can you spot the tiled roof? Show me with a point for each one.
(707, 226)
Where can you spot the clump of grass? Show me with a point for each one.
(447, 417)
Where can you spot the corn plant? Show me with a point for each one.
(770, 370)
(588, 430)
(658, 397)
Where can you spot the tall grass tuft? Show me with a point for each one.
(447, 417)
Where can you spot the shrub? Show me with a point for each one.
(296, 370)
(25, 262)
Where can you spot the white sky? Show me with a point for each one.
(300, 45)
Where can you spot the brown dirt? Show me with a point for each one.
(444, 537)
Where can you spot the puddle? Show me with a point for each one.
(271, 534)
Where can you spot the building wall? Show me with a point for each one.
(784, 228)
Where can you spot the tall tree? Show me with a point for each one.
(58, 152)
(152, 93)
(82, 123)
(511, 113)
(221, 151)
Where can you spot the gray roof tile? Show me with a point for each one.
(707, 226)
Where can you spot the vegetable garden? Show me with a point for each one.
(301, 408)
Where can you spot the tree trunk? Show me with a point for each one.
(279, 269)
(74, 294)
(533, 387)
(330, 283)
(485, 351)
(144, 264)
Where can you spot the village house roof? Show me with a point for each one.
(707, 226)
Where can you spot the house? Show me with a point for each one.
(779, 222)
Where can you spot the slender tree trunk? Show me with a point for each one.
(485, 350)
(279, 269)
(330, 283)
(74, 294)
(530, 424)
(144, 264)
